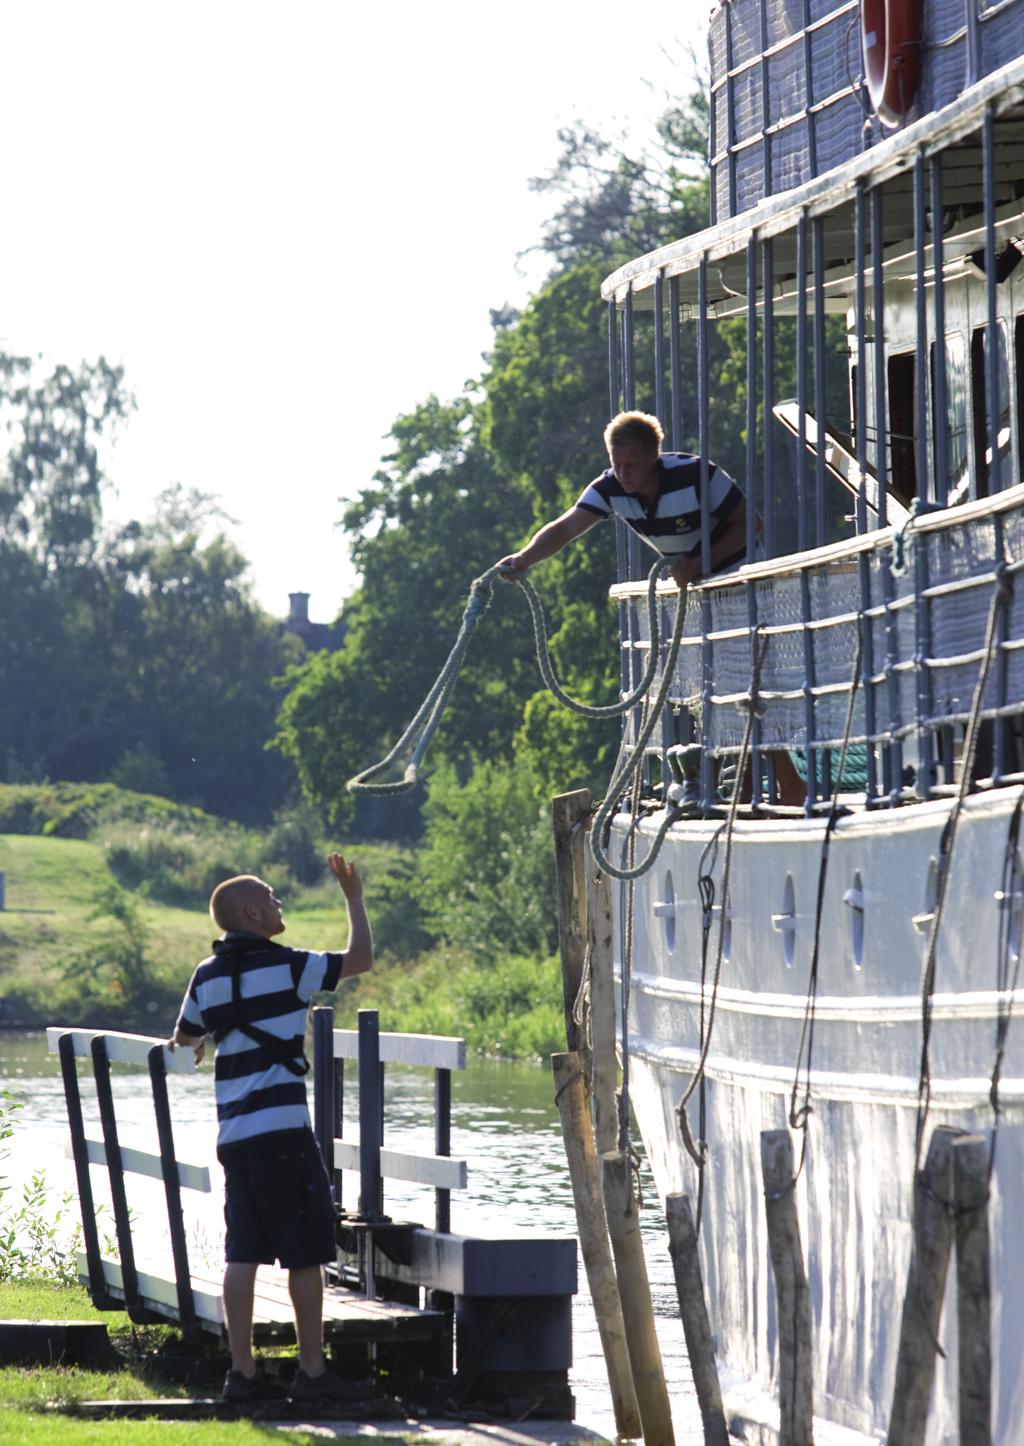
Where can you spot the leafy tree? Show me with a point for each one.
(486, 868)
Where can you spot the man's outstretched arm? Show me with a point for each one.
(549, 539)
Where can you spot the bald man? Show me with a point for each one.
(252, 995)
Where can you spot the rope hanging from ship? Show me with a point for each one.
(751, 705)
(1001, 597)
(799, 1114)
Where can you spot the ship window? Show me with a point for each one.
(903, 464)
(979, 407)
(958, 479)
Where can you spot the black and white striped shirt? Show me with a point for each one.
(671, 524)
(256, 1094)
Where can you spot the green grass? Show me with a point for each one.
(32, 1397)
(20, 1428)
(42, 1300)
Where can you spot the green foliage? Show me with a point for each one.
(34, 1237)
(486, 868)
(77, 810)
(111, 973)
(503, 1005)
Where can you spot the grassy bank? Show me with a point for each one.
(37, 1403)
(105, 917)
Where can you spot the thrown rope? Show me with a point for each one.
(421, 729)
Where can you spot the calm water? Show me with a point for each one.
(504, 1124)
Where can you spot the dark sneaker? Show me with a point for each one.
(325, 1387)
(259, 1387)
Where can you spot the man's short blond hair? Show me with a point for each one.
(227, 902)
(634, 427)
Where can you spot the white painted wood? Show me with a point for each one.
(440, 1171)
(157, 1291)
(122, 1048)
(436, 1051)
(141, 1162)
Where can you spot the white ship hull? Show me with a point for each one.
(855, 1193)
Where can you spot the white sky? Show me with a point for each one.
(289, 222)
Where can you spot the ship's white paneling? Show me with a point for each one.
(854, 1195)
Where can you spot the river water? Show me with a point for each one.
(504, 1124)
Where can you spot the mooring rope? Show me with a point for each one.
(1000, 600)
(752, 706)
(630, 764)
(420, 730)
(799, 1115)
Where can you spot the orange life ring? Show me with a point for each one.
(891, 38)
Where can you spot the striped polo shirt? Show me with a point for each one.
(671, 524)
(256, 1094)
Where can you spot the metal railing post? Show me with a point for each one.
(172, 1188)
(371, 1104)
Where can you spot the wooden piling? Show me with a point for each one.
(682, 1244)
(570, 813)
(593, 1235)
(602, 1008)
(791, 1290)
(635, 1294)
(926, 1285)
(973, 1288)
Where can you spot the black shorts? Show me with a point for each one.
(277, 1201)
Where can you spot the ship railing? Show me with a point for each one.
(907, 609)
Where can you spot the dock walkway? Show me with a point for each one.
(482, 1316)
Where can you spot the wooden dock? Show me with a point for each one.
(482, 1319)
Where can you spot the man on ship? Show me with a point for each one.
(658, 494)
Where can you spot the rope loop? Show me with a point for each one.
(420, 730)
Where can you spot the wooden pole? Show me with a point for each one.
(682, 1245)
(792, 1294)
(602, 1008)
(635, 1294)
(973, 1288)
(593, 1233)
(926, 1285)
(570, 813)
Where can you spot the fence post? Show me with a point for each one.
(682, 1245)
(973, 1288)
(569, 815)
(602, 1009)
(442, 1145)
(115, 1171)
(635, 1294)
(926, 1285)
(371, 1202)
(323, 1086)
(101, 1297)
(585, 1177)
(794, 1300)
(172, 1189)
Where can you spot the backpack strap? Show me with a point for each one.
(278, 1050)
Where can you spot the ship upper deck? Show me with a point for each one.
(952, 133)
(792, 97)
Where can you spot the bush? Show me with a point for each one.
(505, 1006)
(486, 871)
